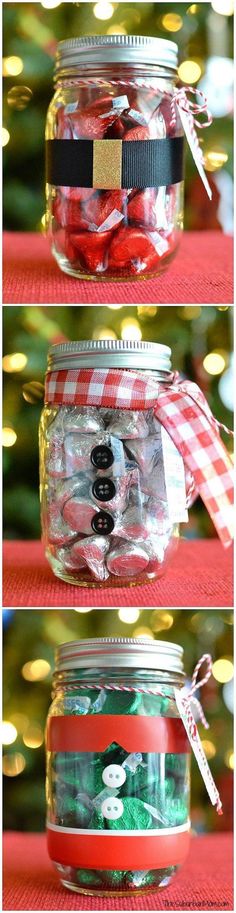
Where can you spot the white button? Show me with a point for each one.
(114, 775)
(112, 808)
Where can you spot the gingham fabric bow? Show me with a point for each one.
(183, 410)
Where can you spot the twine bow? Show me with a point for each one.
(190, 108)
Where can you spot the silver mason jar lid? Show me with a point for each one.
(110, 353)
(130, 49)
(120, 652)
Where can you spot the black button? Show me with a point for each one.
(102, 457)
(104, 489)
(102, 523)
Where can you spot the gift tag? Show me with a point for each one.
(184, 709)
(174, 479)
(195, 149)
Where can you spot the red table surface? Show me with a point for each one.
(201, 273)
(200, 575)
(204, 883)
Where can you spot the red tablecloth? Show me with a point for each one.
(201, 272)
(200, 575)
(205, 882)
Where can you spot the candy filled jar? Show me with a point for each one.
(113, 484)
(125, 447)
(114, 157)
(118, 766)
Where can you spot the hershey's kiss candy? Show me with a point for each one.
(70, 562)
(132, 524)
(127, 560)
(59, 533)
(55, 461)
(146, 453)
(85, 419)
(77, 486)
(92, 551)
(126, 424)
(79, 514)
(78, 451)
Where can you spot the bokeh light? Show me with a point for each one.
(129, 616)
(50, 4)
(8, 733)
(189, 71)
(214, 160)
(19, 97)
(130, 329)
(33, 737)
(172, 22)
(9, 437)
(223, 7)
(209, 748)
(161, 620)
(116, 30)
(17, 361)
(13, 764)
(83, 611)
(36, 670)
(12, 66)
(5, 136)
(103, 10)
(214, 363)
(223, 670)
(229, 759)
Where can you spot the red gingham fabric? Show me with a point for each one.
(183, 410)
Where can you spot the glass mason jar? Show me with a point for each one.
(113, 487)
(118, 778)
(114, 157)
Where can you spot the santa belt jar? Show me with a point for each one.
(114, 157)
(117, 766)
(113, 485)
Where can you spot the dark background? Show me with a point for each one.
(191, 331)
(31, 636)
(31, 33)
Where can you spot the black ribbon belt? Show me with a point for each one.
(110, 164)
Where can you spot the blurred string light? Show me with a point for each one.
(161, 621)
(130, 329)
(12, 66)
(50, 4)
(214, 160)
(114, 307)
(33, 737)
(17, 361)
(217, 85)
(104, 333)
(129, 616)
(5, 136)
(13, 764)
(103, 10)
(190, 71)
(36, 670)
(209, 748)
(143, 632)
(83, 611)
(229, 759)
(192, 10)
(215, 362)
(9, 437)
(226, 387)
(223, 670)
(19, 97)
(172, 22)
(145, 311)
(223, 7)
(228, 695)
(8, 733)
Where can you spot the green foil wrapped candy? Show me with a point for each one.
(134, 817)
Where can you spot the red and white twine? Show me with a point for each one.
(180, 100)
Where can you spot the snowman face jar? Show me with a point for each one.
(118, 804)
